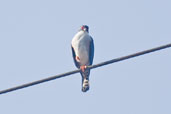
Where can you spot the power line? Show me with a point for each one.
(89, 67)
(130, 56)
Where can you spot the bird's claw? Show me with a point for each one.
(83, 68)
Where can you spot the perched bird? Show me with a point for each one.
(83, 53)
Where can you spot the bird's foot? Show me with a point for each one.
(83, 68)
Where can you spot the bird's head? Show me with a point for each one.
(85, 28)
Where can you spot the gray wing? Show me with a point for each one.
(91, 51)
(73, 55)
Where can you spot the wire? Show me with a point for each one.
(89, 67)
(130, 56)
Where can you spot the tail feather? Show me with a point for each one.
(85, 85)
(85, 80)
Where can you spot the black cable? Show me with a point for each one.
(89, 67)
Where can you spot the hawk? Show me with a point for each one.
(82, 46)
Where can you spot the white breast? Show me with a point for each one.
(80, 43)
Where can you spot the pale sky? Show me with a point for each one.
(35, 43)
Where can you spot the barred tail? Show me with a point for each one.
(85, 80)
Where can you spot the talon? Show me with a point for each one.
(83, 68)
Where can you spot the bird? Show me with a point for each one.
(82, 46)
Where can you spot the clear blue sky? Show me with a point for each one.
(35, 38)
